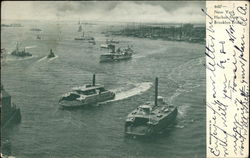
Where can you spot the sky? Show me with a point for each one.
(115, 11)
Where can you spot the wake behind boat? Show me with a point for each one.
(150, 118)
(86, 95)
(123, 93)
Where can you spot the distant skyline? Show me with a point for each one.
(114, 11)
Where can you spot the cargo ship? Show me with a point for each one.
(85, 95)
(150, 118)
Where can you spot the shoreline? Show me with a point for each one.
(186, 33)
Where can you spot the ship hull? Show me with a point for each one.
(51, 56)
(84, 38)
(111, 58)
(164, 123)
(152, 129)
(81, 39)
(21, 54)
(90, 100)
(11, 118)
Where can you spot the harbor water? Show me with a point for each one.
(36, 84)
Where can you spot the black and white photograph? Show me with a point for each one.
(103, 79)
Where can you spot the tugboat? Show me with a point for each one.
(51, 54)
(116, 55)
(10, 113)
(150, 118)
(92, 42)
(19, 53)
(38, 37)
(86, 95)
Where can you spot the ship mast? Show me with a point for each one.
(156, 90)
(17, 46)
(93, 80)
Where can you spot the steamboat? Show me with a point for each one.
(150, 118)
(86, 95)
(20, 53)
(117, 55)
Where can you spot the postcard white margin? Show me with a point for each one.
(227, 78)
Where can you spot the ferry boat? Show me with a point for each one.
(20, 53)
(117, 55)
(51, 54)
(86, 95)
(150, 118)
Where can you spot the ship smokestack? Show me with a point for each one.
(93, 80)
(156, 90)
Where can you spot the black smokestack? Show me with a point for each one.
(93, 81)
(156, 90)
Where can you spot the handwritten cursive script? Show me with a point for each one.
(227, 68)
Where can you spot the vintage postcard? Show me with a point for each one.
(124, 79)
